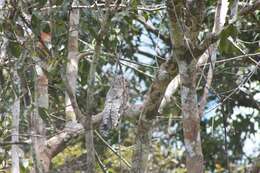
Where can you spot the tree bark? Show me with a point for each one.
(184, 28)
(15, 124)
(40, 155)
(191, 118)
(148, 113)
(219, 21)
(143, 148)
(72, 64)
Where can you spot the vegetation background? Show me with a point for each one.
(129, 86)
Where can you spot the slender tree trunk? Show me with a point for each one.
(219, 21)
(72, 64)
(88, 125)
(184, 33)
(150, 110)
(143, 147)
(90, 147)
(72, 74)
(15, 124)
(40, 155)
(191, 118)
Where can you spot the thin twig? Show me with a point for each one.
(246, 79)
(112, 149)
(14, 143)
(136, 69)
(102, 166)
(234, 58)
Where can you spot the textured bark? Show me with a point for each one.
(148, 113)
(184, 38)
(91, 161)
(40, 155)
(191, 118)
(15, 125)
(143, 148)
(73, 59)
(58, 143)
(210, 49)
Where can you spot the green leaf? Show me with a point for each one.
(227, 47)
(134, 4)
(15, 49)
(43, 112)
(146, 16)
(231, 30)
(36, 24)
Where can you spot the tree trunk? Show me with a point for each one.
(143, 147)
(72, 64)
(90, 162)
(184, 33)
(40, 155)
(148, 113)
(15, 125)
(190, 113)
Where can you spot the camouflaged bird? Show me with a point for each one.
(115, 104)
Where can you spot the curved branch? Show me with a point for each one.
(59, 142)
(154, 30)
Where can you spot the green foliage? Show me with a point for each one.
(36, 23)
(129, 40)
(15, 49)
(225, 46)
(68, 154)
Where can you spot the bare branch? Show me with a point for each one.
(59, 142)
(219, 22)
(170, 90)
(250, 8)
(154, 30)
(73, 100)
(215, 35)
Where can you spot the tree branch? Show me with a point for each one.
(59, 142)
(155, 31)
(250, 8)
(212, 38)
(73, 100)
(219, 22)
